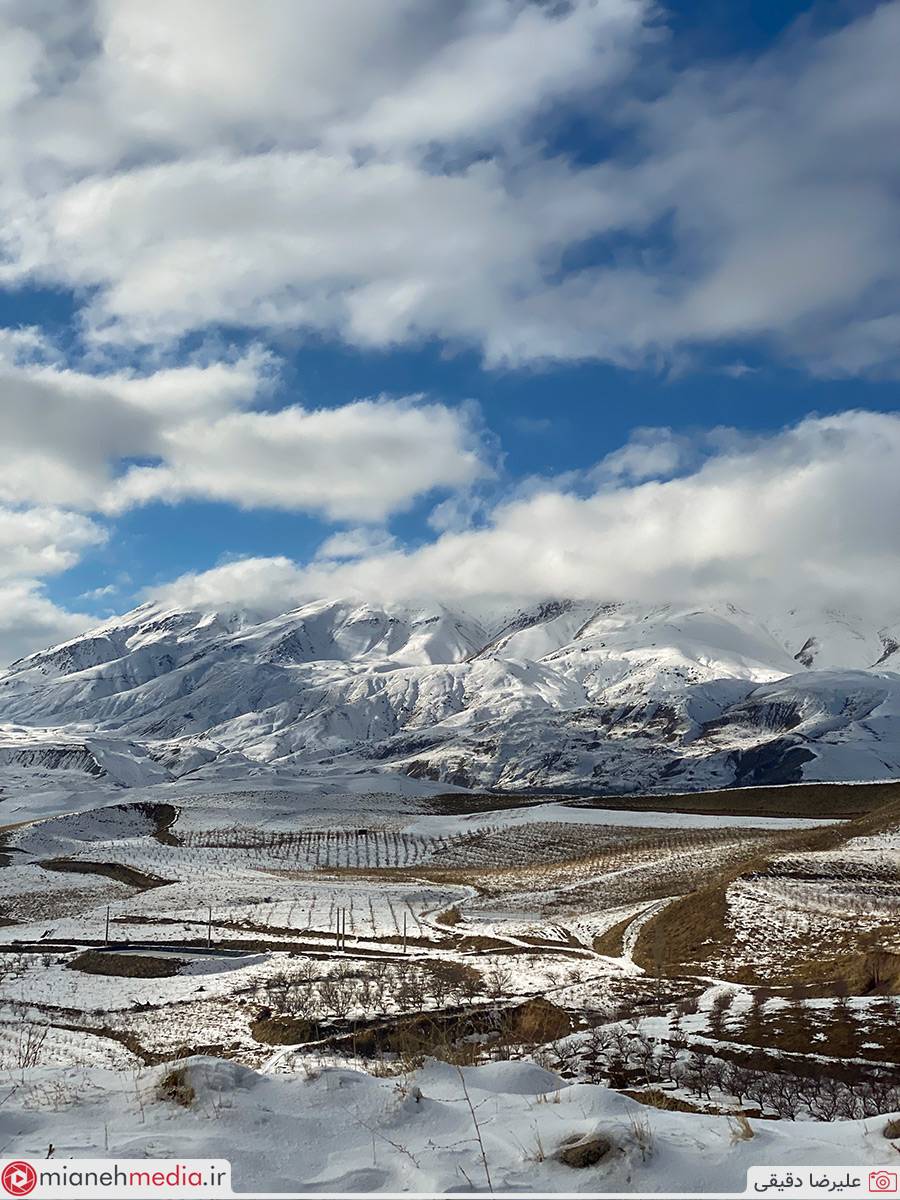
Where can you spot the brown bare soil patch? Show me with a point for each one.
(609, 942)
(813, 800)
(282, 1031)
(117, 871)
(832, 800)
(128, 966)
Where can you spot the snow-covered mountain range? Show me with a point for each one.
(564, 695)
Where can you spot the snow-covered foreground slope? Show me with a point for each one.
(567, 695)
(347, 1132)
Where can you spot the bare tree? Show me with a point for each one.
(30, 1045)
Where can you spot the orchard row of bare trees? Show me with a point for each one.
(621, 1057)
(380, 988)
(329, 848)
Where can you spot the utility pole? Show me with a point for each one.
(209, 928)
(404, 933)
(107, 924)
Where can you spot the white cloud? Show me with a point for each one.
(471, 89)
(458, 512)
(43, 541)
(100, 593)
(380, 252)
(362, 461)
(36, 542)
(273, 73)
(806, 513)
(264, 585)
(381, 172)
(356, 543)
(385, 72)
(63, 432)
(28, 620)
(64, 435)
(68, 441)
(648, 454)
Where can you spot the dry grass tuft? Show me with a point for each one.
(740, 1127)
(175, 1087)
(657, 1098)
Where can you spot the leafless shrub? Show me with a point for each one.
(29, 1045)
(697, 1072)
(880, 1095)
(784, 1096)
(499, 980)
(736, 1079)
(561, 1057)
(477, 1127)
(642, 1051)
(51, 1095)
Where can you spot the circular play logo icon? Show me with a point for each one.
(19, 1178)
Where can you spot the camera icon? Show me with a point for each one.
(883, 1182)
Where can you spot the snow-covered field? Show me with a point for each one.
(314, 998)
(341, 1130)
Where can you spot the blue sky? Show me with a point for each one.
(473, 297)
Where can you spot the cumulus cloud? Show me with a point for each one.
(266, 585)
(649, 453)
(356, 543)
(100, 593)
(64, 431)
(805, 514)
(389, 172)
(34, 543)
(471, 90)
(119, 74)
(361, 461)
(29, 619)
(380, 252)
(66, 438)
(43, 541)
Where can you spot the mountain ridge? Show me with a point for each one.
(564, 694)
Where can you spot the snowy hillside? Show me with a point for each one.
(567, 695)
